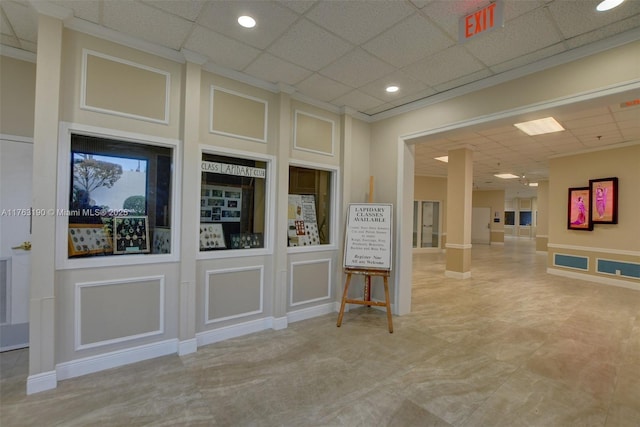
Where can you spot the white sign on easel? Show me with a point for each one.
(368, 237)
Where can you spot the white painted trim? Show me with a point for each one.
(83, 88)
(78, 311)
(595, 279)
(458, 246)
(16, 138)
(333, 229)
(207, 283)
(63, 262)
(596, 149)
(544, 236)
(234, 331)
(279, 323)
(315, 261)
(457, 275)
(114, 359)
(187, 347)
(41, 382)
(241, 95)
(324, 119)
(19, 54)
(311, 312)
(270, 205)
(590, 249)
(530, 108)
(7, 297)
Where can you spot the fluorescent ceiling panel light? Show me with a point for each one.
(540, 126)
(506, 175)
(247, 21)
(608, 5)
(443, 159)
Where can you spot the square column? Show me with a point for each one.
(459, 209)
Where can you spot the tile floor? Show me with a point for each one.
(512, 346)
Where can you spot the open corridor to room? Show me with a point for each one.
(512, 346)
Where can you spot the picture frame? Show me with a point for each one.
(131, 235)
(89, 239)
(604, 200)
(578, 209)
(212, 237)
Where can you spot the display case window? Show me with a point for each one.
(119, 198)
(525, 218)
(309, 212)
(509, 218)
(232, 203)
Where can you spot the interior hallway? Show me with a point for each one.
(511, 346)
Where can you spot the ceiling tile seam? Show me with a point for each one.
(555, 25)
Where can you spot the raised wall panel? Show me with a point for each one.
(232, 293)
(113, 311)
(571, 261)
(310, 281)
(238, 115)
(116, 86)
(313, 133)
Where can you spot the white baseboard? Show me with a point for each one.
(457, 275)
(187, 347)
(595, 279)
(114, 359)
(311, 312)
(41, 382)
(233, 331)
(279, 323)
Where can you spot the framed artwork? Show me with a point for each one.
(604, 200)
(161, 240)
(89, 239)
(579, 217)
(131, 234)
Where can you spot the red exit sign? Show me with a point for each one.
(481, 21)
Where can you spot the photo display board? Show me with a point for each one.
(302, 220)
(368, 237)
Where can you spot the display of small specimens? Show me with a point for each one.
(211, 237)
(161, 240)
(88, 239)
(131, 234)
(302, 220)
(246, 241)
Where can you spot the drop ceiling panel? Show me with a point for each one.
(358, 21)
(409, 41)
(145, 22)
(322, 88)
(309, 46)
(585, 18)
(188, 10)
(356, 69)
(87, 10)
(444, 66)
(272, 20)
(275, 70)
(522, 35)
(23, 20)
(359, 100)
(223, 50)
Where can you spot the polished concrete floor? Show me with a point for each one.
(512, 346)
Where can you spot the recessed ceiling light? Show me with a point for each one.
(247, 21)
(392, 89)
(540, 126)
(533, 184)
(443, 159)
(608, 5)
(506, 175)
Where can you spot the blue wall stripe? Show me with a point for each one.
(627, 269)
(579, 262)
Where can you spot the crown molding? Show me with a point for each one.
(16, 53)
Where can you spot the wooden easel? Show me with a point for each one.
(368, 274)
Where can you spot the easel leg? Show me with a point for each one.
(386, 296)
(344, 299)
